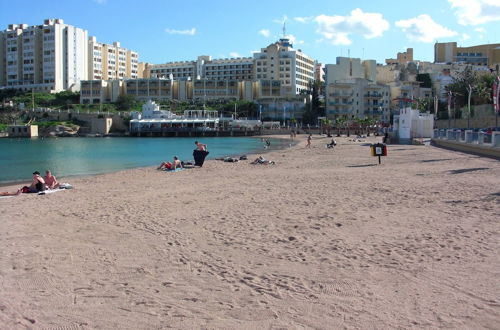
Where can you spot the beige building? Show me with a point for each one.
(280, 61)
(402, 58)
(486, 55)
(100, 91)
(205, 68)
(109, 62)
(50, 57)
(352, 90)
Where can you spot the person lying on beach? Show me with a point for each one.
(263, 161)
(165, 166)
(38, 183)
(50, 180)
(18, 192)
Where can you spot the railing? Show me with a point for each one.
(486, 138)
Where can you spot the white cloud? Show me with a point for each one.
(475, 12)
(465, 36)
(303, 19)
(423, 29)
(337, 29)
(281, 20)
(190, 32)
(234, 54)
(294, 40)
(480, 30)
(266, 33)
(101, 2)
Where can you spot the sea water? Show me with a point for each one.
(19, 158)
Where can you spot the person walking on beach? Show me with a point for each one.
(308, 145)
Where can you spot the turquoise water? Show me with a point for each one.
(19, 158)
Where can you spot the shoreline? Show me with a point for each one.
(21, 183)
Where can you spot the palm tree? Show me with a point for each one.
(340, 122)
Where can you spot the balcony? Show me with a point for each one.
(374, 95)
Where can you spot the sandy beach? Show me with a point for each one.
(324, 239)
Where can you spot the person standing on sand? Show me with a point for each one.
(200, 146)
(309, 138)
(200, 153)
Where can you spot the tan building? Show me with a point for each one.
(109, 62)
(144, 70)
(448, 52)
(23, 131)
(280, 61)
(206, 68)
(352, 90)
(100, 91)
(402, 58)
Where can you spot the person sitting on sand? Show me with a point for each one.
(38, 183)
(176, 163)
(263, 161)
(50, 180)
(200, 146)
(331, 144)
(165, 166)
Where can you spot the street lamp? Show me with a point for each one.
(469, 89)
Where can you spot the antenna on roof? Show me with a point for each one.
(284, 29)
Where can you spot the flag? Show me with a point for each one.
(449, 104)
(496, 95)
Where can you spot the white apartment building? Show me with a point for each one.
(109, 62)
(51, 57)
(206, 68)
(352, 90)
(280, 61)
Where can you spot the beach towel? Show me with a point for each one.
(176, 170)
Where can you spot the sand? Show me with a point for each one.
(324, 239)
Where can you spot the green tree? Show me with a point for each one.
(125, 102)
(425, 80)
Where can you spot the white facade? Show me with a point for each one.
(51, 57)
(412, 124)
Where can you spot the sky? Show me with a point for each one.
(164, 30)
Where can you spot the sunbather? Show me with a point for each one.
(50, 180)
(18, 192)
(176, 163)
(38, 183)
(263, 161)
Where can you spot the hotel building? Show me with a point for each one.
(108, 62)
(205, 68)
(280, 61)
(486, 55)
(51, 57)
(352, 90)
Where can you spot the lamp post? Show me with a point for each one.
(469, 89)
